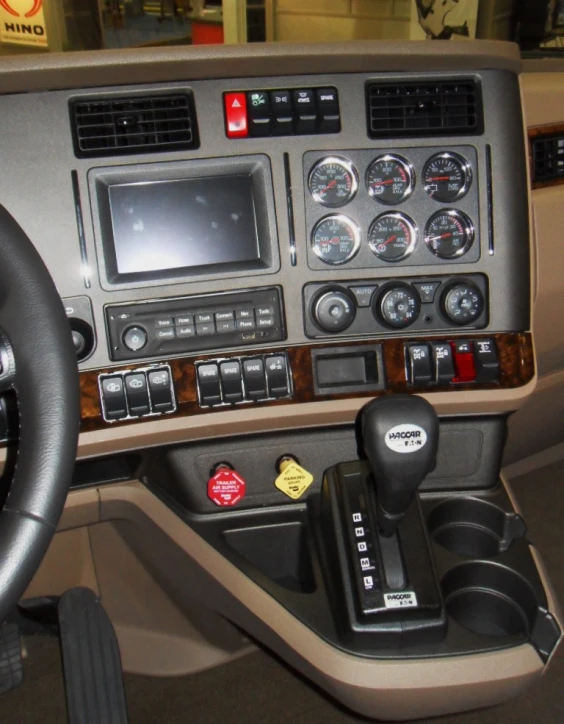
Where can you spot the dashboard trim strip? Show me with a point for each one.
(515, 356)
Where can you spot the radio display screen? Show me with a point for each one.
(183, 224)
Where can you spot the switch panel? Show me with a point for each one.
(131, 394)
(302, 111)
(453, 362)
(246, 379)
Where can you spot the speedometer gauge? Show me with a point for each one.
(392, 237)
(335, 239)
(390, 179)
(449, 234)
(447, 177)
(333, 181)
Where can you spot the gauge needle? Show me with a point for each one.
(384, 183)
(330, 185)
(389, 241)
(441, 236)
(438, 178)
(335, 240)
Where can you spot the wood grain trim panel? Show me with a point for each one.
(534, 132)
(515, 356)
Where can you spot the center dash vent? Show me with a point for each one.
(443, 108)
(147, 124)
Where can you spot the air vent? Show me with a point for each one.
(548, 158)
(119, 126)
(443, 108)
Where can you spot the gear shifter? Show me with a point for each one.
(401, 436)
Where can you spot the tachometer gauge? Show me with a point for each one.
(447, 177)
(333, 181)
(390, 179)
(449, 234)
(336, 239)
(392, 237)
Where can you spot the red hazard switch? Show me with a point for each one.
(236, 115)
(226, 487)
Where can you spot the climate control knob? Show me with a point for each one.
(462, 303)
(334, 310)
(398, 306)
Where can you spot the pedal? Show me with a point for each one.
(91, 661)
(11, 670)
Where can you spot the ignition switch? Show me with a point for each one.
(293, 480)
(225, 486)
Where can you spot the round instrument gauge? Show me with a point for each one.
(390, 179)
(449, 234)
(335, 239)
(333, 181)
(447, 177)
(392, 237)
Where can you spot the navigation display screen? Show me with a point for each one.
(182, 224)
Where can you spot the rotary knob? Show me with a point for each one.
(462, 303)
(334, 310)
(398, 306)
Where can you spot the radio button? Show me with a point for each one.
(135, 338)
(161, 392)
(208, 384)
(267, 310)
(184, 319)
(205, 329)
(204, 318)
(161, 322)
(137, 394)
(225, 327)
(165, 334)
(113, 398)
(188, 331)
(231, 382)
(245, 313)
(224, 316)
(246, 324)
(265, 322)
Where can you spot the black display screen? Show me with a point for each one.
(182, 224)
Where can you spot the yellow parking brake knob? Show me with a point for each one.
(293, 480)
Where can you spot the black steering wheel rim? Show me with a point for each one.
(39, 362)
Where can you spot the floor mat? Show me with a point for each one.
(260, 690)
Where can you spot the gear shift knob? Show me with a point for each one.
(401, 436)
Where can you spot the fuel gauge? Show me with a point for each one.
(447, 177)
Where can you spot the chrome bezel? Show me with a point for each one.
(469, 232)
(412, 228)
(348, 166)
(466, 170)
(407, 167)
(341, 218)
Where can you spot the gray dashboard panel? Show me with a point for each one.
(37, 158)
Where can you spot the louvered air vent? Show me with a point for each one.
(119, 126)
(431, 108)
(548, 158)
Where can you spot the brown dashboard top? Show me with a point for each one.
(57, 71)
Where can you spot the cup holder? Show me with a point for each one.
(488, 598)
(474, 528)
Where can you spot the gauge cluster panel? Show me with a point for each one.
(376, 208)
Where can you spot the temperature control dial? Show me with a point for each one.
(462, 303)
(334, 310)
(398, 306)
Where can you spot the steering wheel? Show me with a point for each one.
(39, 363)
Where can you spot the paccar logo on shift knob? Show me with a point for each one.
(406, 438)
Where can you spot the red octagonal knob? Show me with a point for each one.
(226, 487)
